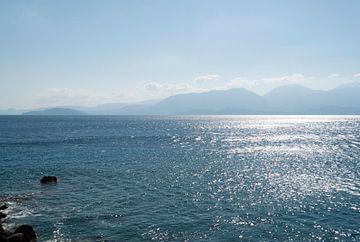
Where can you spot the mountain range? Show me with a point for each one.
(290, 99)
(56, 111)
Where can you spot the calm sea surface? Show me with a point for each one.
(225, 178)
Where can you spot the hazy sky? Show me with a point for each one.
(89, 52)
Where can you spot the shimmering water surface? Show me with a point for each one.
(223, 178)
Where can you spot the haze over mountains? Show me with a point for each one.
(56, 111)
(291, 99)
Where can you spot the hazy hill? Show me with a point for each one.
(290, 99)
(11, 111)
(117, 108)
(210, 102)
(345, 96)
(56, 111)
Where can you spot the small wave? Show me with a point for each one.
(8, 226)
(18, 208)
(17, 211)
(18, 197)
(21, 214)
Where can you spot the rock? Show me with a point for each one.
(2, 231)
(18, 237)
(27, 231)
(3, 238)
(48, 179)
(3, 234)
(2, 215)
(3, 206)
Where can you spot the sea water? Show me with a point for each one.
(191, 178)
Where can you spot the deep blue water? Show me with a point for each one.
(183, 178)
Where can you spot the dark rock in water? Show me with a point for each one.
(24, 233)
(28, 232)
(3, 206)
(18, 237)
(3, 234)
(2, 215)
(3, 238)
(48, 179)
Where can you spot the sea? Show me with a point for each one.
(183, 178)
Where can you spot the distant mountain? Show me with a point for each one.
(333, 110)
(118, 108)
(56, 111)
(11, 111)
(211, 102)
(344, 96)
(102, 109)
(349, 85)
(290, 99)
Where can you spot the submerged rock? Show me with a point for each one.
(28, 232)
(48, 179)
(23, 233)
(3, 206)
(3, 234)
(18, 237)
(2, 238)
(2, 215)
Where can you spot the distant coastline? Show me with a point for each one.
(283, 100)
(56, 111)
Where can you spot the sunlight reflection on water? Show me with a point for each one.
(188, 178)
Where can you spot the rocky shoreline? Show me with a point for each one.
(22, 233)
(25, 232)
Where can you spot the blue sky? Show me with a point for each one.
(91, 52)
